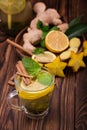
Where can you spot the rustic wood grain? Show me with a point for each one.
(68, 109)
(81, 101)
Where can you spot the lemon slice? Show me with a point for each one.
(45, 57)
(12, 6)
(56, 41)
(24, 93)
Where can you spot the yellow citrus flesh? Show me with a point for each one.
(45, 57)
(56, 41)
(35, 94)
(12, 6)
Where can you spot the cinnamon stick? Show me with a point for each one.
(11, 83)
(23, 72)
(8, 51)
(19, 47)
(22, 67)
(12, 78)
(19, 70)
(24, 75)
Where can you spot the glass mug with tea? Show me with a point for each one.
(15, 15)
(36, 96)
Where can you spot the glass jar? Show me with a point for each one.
(15, 15)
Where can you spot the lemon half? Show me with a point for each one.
(56, 41)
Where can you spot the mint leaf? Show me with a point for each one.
(45, 28)
(39, 50)
(39, 24)
(42, 43)
(54, 28)
(32, 67)
(45, 78)
(44, 35)
(42, 27)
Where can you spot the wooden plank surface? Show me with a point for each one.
(68, 109)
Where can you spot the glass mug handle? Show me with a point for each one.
(12, 95)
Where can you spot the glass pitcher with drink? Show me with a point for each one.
(15, 15)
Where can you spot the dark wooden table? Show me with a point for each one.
(68, 110)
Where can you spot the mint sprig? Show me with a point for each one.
(38, 50)
(45, 30)
(42, 27)
(32, 67)
(45, 78)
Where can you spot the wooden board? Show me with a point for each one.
(68, 109)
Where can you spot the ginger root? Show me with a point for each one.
(39, 8)
(47, 16)
(50, 16)
(65, 55)
(75, 42)
(85, 47)
(31, 37)
(74, 45)
(63, 27)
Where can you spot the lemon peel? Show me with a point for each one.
(57, 67)
(76, 61)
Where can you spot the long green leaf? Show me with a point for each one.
(77, 30)
(75, 21)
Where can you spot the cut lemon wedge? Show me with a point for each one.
(56, 41)
(45, 57)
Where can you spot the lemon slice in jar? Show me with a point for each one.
(33, 94)
(43, 85)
